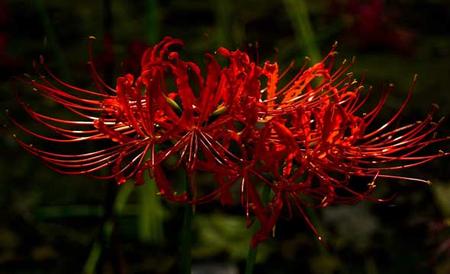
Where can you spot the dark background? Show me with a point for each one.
(53, 224)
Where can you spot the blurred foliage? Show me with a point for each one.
(441, 193)
(223, 234)
(51, 223)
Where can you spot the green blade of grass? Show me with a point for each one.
(304, 34)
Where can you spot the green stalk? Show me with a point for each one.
(151, 213)
(186, 239)
(186, 232)
(93, 258)
(152, 19)
(251, 258)
(223, 22)
(298, 12)
(120, 200)
(252, 251)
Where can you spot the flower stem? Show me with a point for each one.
(153, 22)
(300, 17)
(186, 238)
(253, 250)
(251, 257)
(186, 231)
(223, 22)
(118, 199)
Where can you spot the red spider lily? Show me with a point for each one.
(302, 143)
(141, 114)
(318, 143)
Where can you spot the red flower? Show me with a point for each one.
(318, 143)
(141, 114)
(304, 140)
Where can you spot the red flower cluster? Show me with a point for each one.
(250, 140)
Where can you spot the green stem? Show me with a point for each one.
(253, 250)
(186, 231)
(223, 22)
(299, 14)
(94, 256)
(186, 238)
(119, 201)
(153, 22)
(251, 258)
(151, 213)
(298, 11)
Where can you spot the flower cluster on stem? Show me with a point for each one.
(306, 140)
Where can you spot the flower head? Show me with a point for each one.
(303, 144)
(319, 142)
